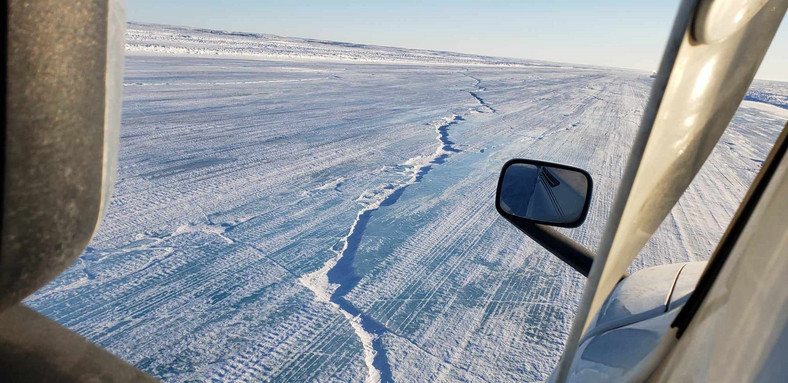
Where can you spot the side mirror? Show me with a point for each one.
(534, 195)
(543, 193)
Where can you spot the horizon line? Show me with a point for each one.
(416, 49)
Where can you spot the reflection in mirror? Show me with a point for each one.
(543, 194)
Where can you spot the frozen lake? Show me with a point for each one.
(297, 219)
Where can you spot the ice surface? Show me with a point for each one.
(327, 214)
(172, 40)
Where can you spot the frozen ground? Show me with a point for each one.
(172, 40)
(324, 220)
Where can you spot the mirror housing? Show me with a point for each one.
(543, 193)
(520, 206)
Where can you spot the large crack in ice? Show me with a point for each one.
(337, 277)
(483, 103)
(475, 94)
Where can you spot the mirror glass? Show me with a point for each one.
(543, 193)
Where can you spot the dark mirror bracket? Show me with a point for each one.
(563, 247)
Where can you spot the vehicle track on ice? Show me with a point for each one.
(337, 277)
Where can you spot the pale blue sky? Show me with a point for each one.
(616, 33)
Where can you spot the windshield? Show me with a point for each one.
(297, 204)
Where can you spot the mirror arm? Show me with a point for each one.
(563, 247)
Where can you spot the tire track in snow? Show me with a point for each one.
(337, 276)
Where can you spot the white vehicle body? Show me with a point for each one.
(632, 321)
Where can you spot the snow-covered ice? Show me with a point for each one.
(301, 210)
(172, 40)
